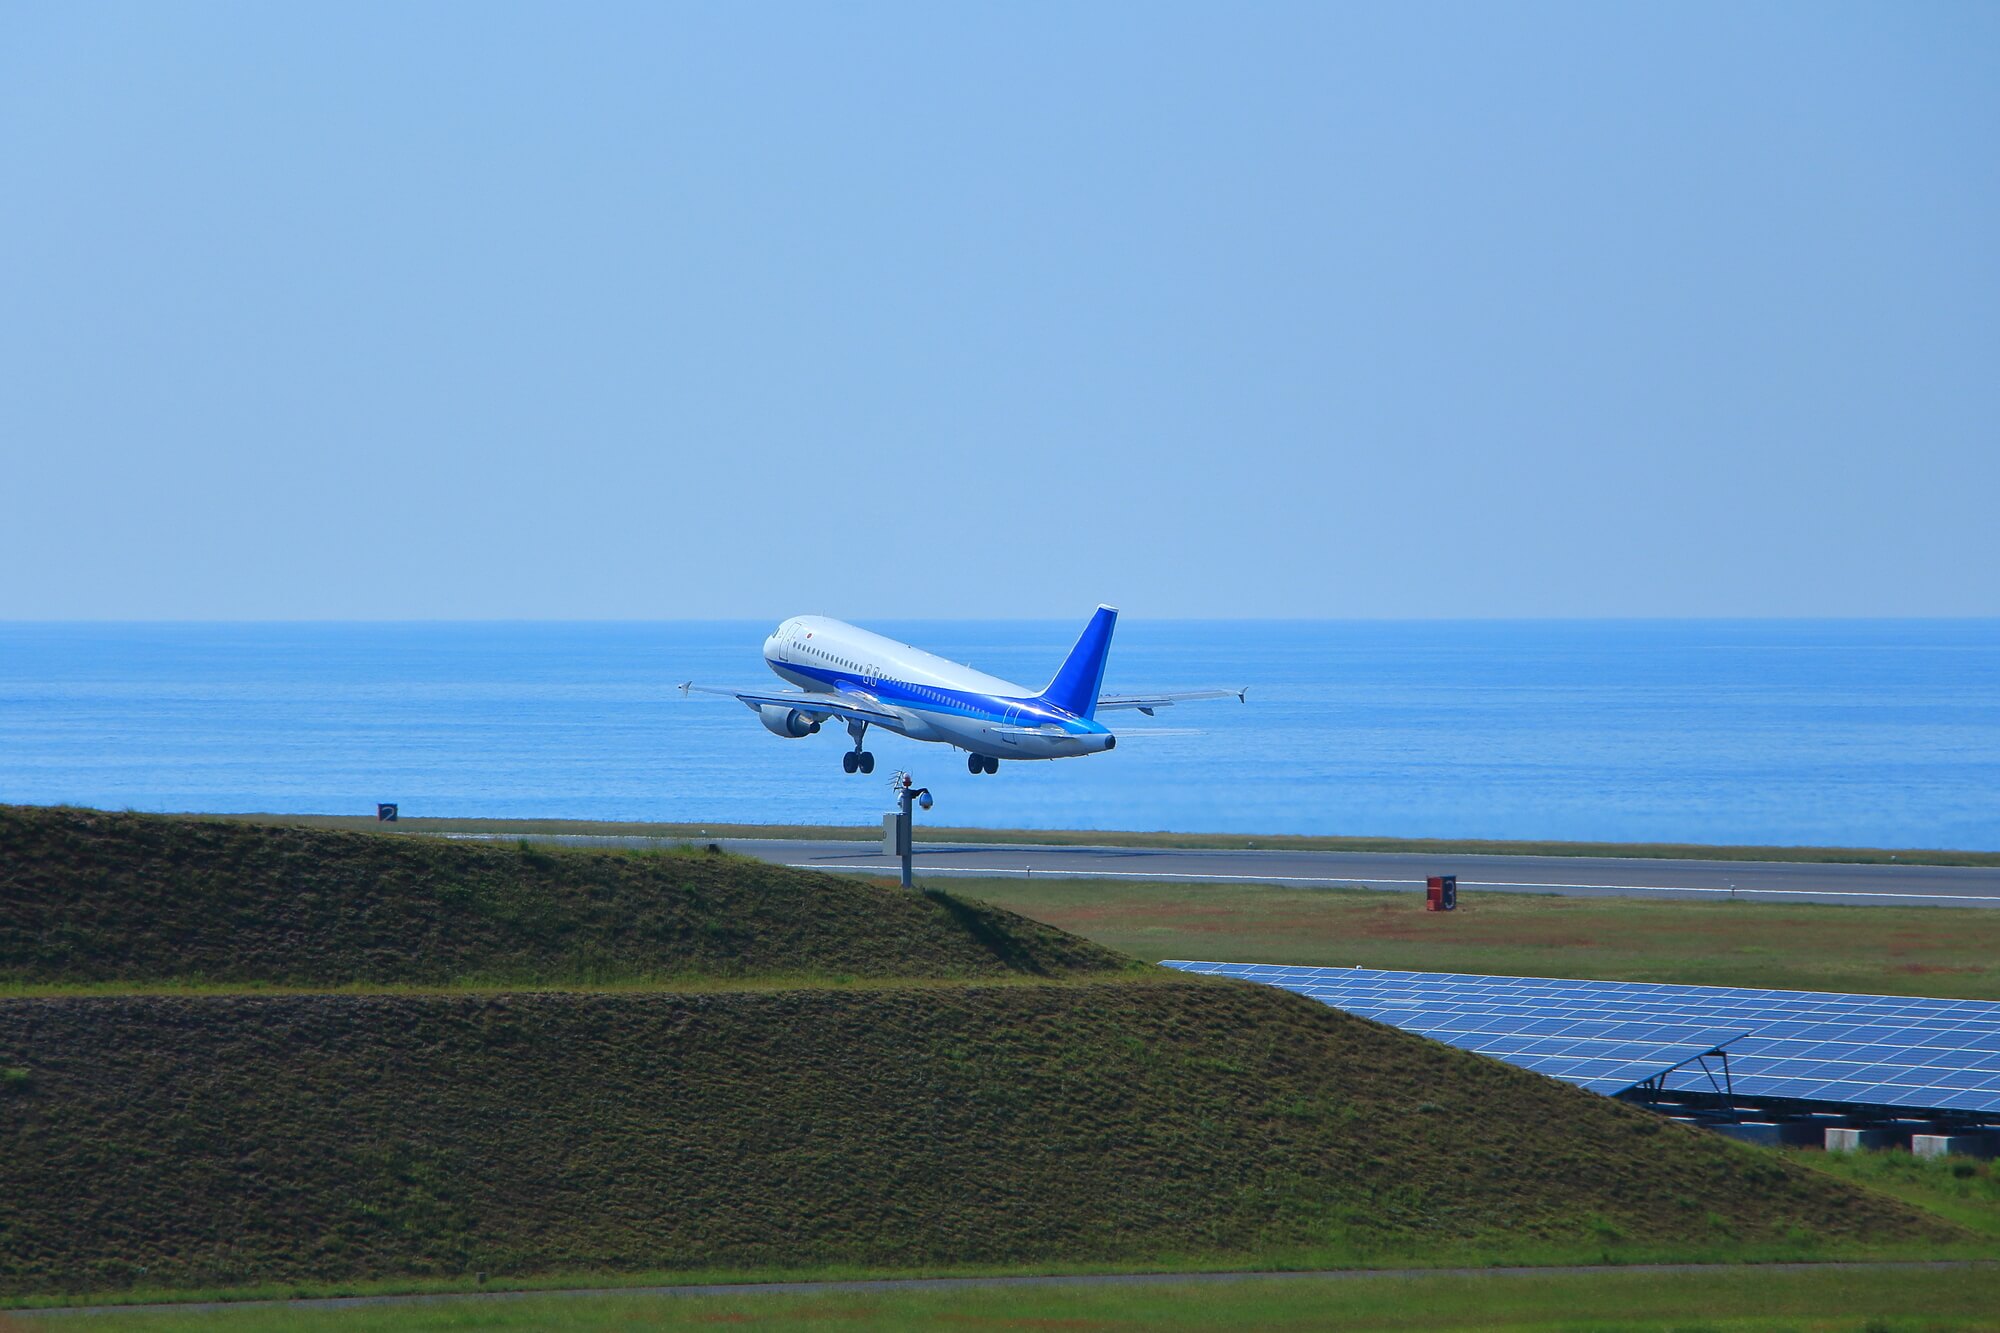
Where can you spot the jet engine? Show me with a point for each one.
(781, 721)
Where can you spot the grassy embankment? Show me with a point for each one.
(1031, 1101)
(1899, 950)
(213, 1140)
(136, 900)
(511, 828)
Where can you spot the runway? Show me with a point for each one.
(1570, 876)
(1596, 877)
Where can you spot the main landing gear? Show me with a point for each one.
(857, 760)
(981, 763)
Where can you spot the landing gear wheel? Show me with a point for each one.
(992, 764)
(849, 762)
(975, 763)
(867, 761)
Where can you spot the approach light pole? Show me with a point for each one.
(897, 839)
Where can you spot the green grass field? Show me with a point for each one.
(1957, 1189)
(1829, 1299)
(1943, 951)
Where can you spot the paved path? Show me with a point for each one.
(965, 1283)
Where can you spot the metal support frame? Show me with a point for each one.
(1725, 1086)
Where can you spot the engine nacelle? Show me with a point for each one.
(788, 722)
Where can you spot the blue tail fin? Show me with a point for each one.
(1074, 690)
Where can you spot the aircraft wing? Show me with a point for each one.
(1146, 703)
(853, 707)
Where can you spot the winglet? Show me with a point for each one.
(1074, 690)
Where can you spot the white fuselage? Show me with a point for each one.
(931, 698)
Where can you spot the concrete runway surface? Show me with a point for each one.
(1576, 876)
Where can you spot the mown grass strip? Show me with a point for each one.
(1517, 1262)
(1830, 1299)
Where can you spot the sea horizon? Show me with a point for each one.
(1839, 731)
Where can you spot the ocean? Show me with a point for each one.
(1868, 733)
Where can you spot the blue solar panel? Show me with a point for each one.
(1886, 1050)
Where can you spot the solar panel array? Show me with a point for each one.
(1877, 1050)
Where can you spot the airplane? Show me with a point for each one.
(866, 680)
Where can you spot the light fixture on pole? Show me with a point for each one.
(897, 828)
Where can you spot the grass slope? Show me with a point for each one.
(190, 1141)
(949, 1085)
(1947, 951)
(95, 897)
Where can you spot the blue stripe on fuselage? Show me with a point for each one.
(958, 703)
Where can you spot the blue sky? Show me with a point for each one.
(656, 311)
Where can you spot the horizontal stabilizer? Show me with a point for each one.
(1146, 703)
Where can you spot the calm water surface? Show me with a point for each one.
(1851, 732)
